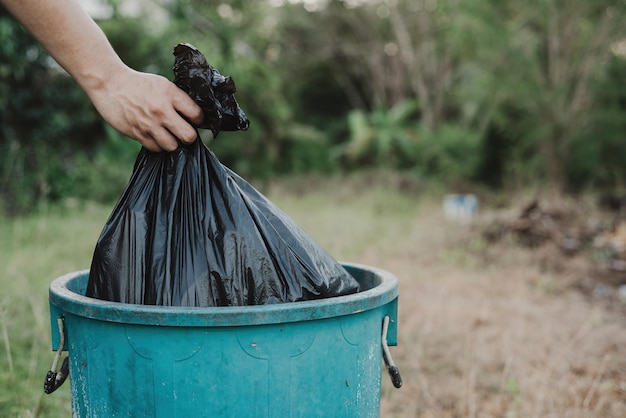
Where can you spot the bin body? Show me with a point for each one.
(304, 359)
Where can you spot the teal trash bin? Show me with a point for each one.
(305, 359)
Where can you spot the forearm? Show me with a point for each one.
(146, 107)
(71, 37)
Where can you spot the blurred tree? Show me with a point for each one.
(516, 73)
(598, 150)
(528, 70)
(395, 63)
(380, 53)
(44, 119)
(448, 88)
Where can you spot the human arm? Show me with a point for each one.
(146, 107)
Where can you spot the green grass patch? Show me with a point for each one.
(33, 252)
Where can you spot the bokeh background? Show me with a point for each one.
(364, 115)
(500, 94)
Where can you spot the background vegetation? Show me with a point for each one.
(373, 101)
(486, 92)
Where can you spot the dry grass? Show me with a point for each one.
(484, 331)
(490, 332)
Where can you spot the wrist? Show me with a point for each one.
(98, 76)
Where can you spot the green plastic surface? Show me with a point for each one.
(305, 359)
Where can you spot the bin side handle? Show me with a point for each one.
(55, 379)
(393, 370)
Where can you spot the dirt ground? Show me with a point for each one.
(495, 328)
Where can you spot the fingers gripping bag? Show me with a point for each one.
(188, 231)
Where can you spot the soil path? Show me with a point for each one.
(487, 332)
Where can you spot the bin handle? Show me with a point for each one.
(55, 379)
(393, 370)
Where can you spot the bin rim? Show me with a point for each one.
(68, 301)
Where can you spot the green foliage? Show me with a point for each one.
(383, 137)
(535, 66)
(393, 138)
(140, 44)
(598, 151)
(498, 92)
(103, 176)
(450, 154)
(44, 119)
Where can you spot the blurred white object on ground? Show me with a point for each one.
(460, 207)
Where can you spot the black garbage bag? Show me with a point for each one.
(188, 231)
(213, 92)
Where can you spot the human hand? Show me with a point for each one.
(148, 108)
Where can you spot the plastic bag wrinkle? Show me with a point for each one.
(188, 231)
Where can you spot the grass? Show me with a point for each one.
(483, 331)
(33, 251)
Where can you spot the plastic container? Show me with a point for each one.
(306, 359)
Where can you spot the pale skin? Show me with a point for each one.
(146, 107)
